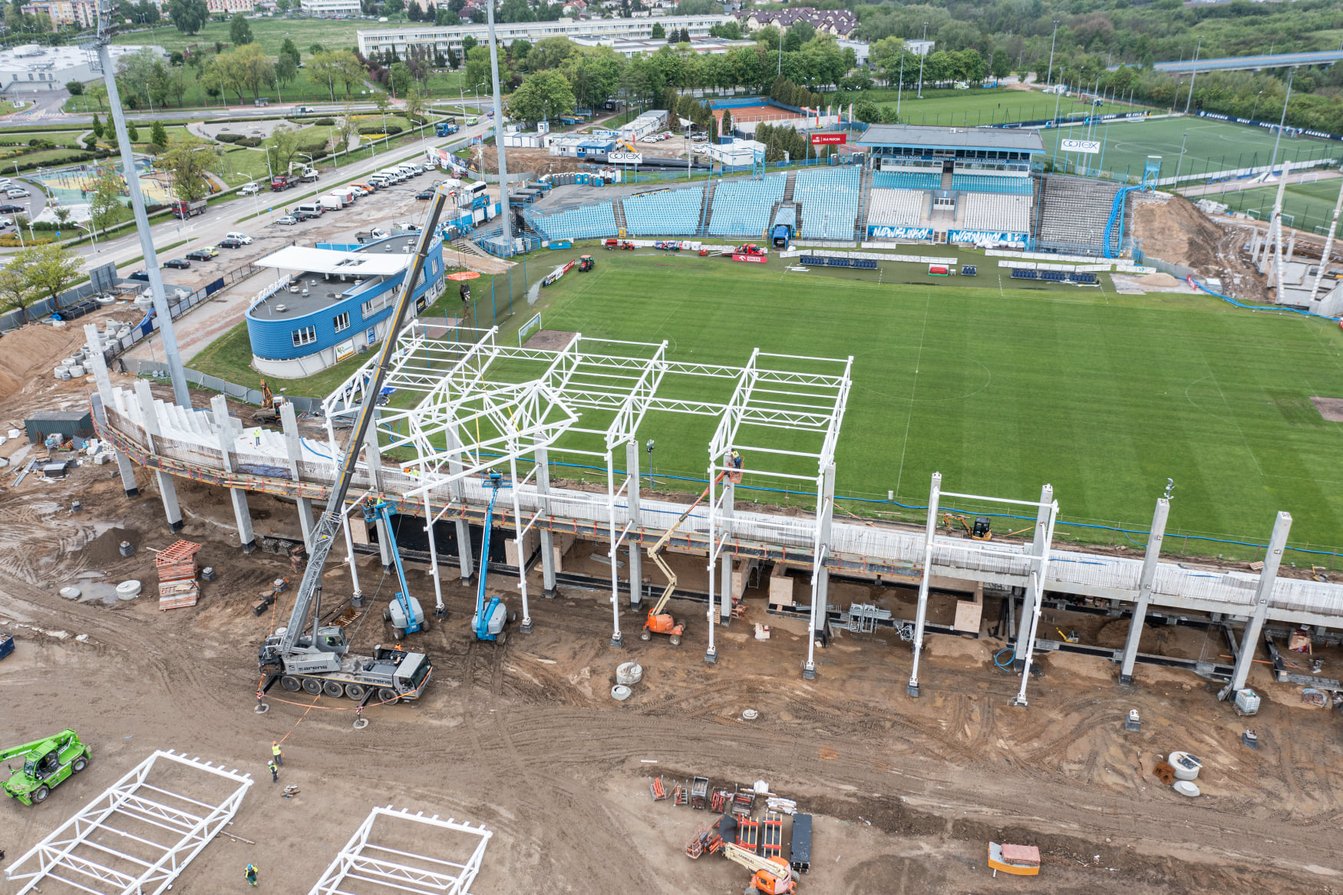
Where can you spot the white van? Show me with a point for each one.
(310, 209)
(408, 169)
(331, 203)
(378, 181)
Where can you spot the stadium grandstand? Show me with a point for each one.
(979, 186)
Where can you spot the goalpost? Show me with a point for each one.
(530, 326)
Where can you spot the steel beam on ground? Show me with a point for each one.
(366, 865)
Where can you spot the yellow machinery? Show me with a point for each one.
(980, 531)
(772, 876)
(659, 622)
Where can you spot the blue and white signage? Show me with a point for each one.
(988, 238)
(909, 234)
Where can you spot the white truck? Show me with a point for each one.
(331, 203)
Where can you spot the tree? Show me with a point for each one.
(17, 289)
(478, 68)
(105, 204)
(284, 142)
(286, 70)
(542, 96)
(188, 16)
(97, 126)
(287, 48)
(189, 164)
(75, 88)
(659, 33)
(132, 131)
(867, 111)
(550, 52)
(414, 104)
(54, 269)
(399, 78)
(239, 32)
(158, 137)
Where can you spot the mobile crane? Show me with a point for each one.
(403, 611)
(490, 621)
(47, 763)
(772, 876)
(659, 622)
(305, 654)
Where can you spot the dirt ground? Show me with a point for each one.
(1172, 229)
(1329, 408)
(526, 739)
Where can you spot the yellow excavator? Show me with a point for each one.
(771, 876)
(981, 530)
(658, 621)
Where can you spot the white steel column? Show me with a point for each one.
(1263, 596)
(465, 565)
(636, 576)
(519, 538)
(237, 496)
(294, 449)
(825, 507)
(356, 595)
(1044, 540)
(1328, 244)
(711, 653)
(612, 553)
(440, 610)
(98, 364)
(1029, 608)
(725, 557)
(548, 589)
(921, 613)
(167, 488)
(1149, 566)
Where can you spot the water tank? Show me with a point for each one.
(1186, 766)
(1247, 702)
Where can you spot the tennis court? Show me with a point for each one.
(1208, 146)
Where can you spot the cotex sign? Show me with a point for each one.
(838, 139)
(1090, 147)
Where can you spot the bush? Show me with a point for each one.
(229, 138)
(249, 142)
(324, 122)
(370, 129)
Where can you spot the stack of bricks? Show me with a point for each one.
(176, 568)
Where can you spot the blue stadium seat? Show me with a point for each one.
(586, 222)
(742, 207)
(906, 180)
(829, 200)
(664, 213)
(987, 183)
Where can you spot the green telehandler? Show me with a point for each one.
(47, 763)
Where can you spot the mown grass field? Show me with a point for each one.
(971, 108)
(1002, 389)
(1310, 205)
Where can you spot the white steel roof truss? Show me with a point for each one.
(363, 860)
(55, 856)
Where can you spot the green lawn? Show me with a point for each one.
(230, 357)
(268, 33)
(970, 108)
(1003, 389)
(1310, 205)
(1209, 146)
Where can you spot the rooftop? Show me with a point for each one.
(1014, 139)
(323, 277)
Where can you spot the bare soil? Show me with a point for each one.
(550, 339)
(1329, 408)
(1173, 229)
(537, 161)
(525, 738)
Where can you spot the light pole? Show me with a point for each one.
(900, 84)
(1049, 78)
(88, 230)
(923, 54)
(779, 70)
(1179, 163)
(479, 108)
(1193, 75)
(256, 210)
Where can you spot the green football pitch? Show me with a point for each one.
(1306, 206)
(1209, 146)
(1003, 389)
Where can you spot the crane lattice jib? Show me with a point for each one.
(324, 534)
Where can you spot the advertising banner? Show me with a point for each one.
(837, 139)
(911, 234)
(988, 238)
(1090, 147)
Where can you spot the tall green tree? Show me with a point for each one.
(239, 31)
(158, 137)
(189, 163)
(188, 16)
(542, 96)
(105, 203)
(17, 289)
(288, 48)
(54, 268)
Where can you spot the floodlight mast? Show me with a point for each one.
(176, 372)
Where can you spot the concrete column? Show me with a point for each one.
(1027, 621)
(372, 453)
(1149, 564)
(293, 449)
(237, 496)
(636, 549)
(1263, 596)
(822, 628)
(465, 563)
(98, 365)
(725, 557)
(548, 589)
(356, 595)
(384, 543)
(167, 489)
(1291, 247)
(921, 609)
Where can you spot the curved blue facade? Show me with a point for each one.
(347, 312)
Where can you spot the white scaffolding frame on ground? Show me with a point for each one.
(384, 868)
(77, 853)
(1035, 552)
(479, 397)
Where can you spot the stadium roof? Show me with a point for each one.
(325, 261)
(1249, 63)
(1013, 139)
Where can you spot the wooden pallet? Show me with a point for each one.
(771, 842)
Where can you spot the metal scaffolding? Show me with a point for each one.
(365, 866)
(479, 403)
(131, 813)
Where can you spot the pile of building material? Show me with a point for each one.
(176, 567)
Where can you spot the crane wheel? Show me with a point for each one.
(290, 683)
(334, 689)
(387, 615)
(312, 686)
(355, 691)
(501, 638)
(387, 695)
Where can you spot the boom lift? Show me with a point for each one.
(490, 621)
(403, 611)
(47, 763)
(305, 654)
(659, 622)
(771, 876)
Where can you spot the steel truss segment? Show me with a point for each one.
(71, 850)
(384, 868)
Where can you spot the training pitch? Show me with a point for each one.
(1003, 389)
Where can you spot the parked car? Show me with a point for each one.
(206, 254)
(140, 276)
(178, 264)
(12, 209)
(228, 242)
(287, 221)
(249, 189)
(240, 237)
(17, 192)
(425, 194)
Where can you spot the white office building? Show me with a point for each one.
(450, 38)
(328, 8)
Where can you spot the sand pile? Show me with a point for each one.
(1178, 233)
(34, 350)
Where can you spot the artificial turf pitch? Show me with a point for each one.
(1002, 389)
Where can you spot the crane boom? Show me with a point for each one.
(655, 552)
(307, 598)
